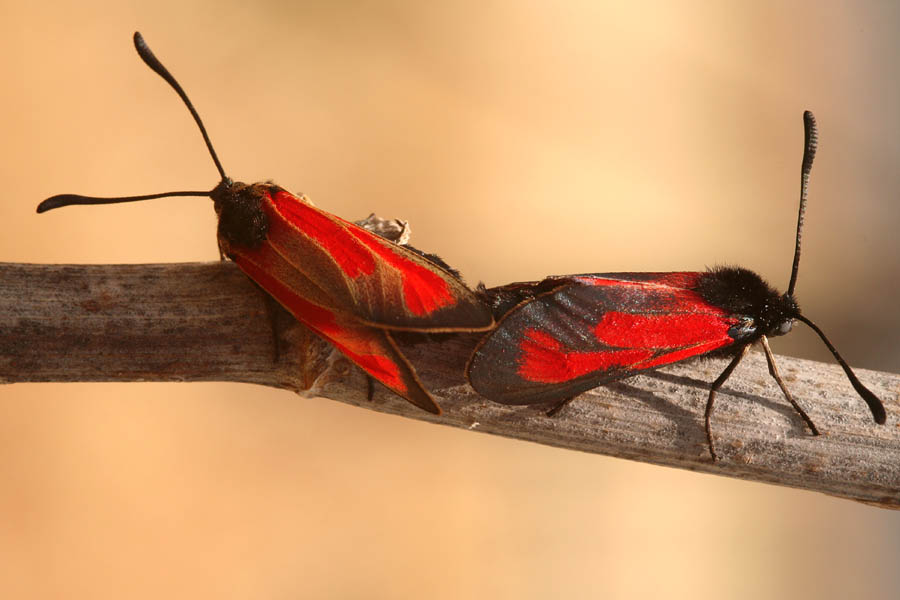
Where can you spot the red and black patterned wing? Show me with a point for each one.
(592, 329)
(370, 348)
(378, 282)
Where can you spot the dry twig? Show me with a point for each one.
(207, 322)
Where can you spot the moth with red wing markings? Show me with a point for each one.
(595, 328)
(565, 335)
(348, 285)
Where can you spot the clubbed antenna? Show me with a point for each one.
(811, 141)
(70, 199)
(148, 57)
(871, 399)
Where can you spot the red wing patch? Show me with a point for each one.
(378, 282)
(424, 290)
(369, 348)
(596, 329)
(628, 330)
(669, 358)
(545, 360)
(328, 232)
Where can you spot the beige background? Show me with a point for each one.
(520, 140)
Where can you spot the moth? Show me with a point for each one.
(565, 335)
(348, 285)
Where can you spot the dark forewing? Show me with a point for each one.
(592, 329)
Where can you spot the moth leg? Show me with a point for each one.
(720, 380)
(370, 387)
(559, 406)
(773, 371)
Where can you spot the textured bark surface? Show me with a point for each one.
(208, 322)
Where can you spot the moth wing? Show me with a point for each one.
(595, 329)
(378, 282)
(371, 349)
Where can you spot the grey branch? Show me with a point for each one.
(208, 322)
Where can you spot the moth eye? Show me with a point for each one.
(785, 327)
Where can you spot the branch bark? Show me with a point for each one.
(208, 322)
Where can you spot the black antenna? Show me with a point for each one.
(871, 399)
(71, 199)
(151, 61)
(811, 142)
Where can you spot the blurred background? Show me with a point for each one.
(520, 139)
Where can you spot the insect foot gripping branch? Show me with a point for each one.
(346, 284)
(564, 335)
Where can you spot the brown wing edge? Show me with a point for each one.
(417, 394)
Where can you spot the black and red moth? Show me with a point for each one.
(346, 284)
(564, 335)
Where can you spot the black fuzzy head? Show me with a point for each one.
(242, 221)
(743, 293)
(761, 310)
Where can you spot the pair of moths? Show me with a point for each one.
(555, 338)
